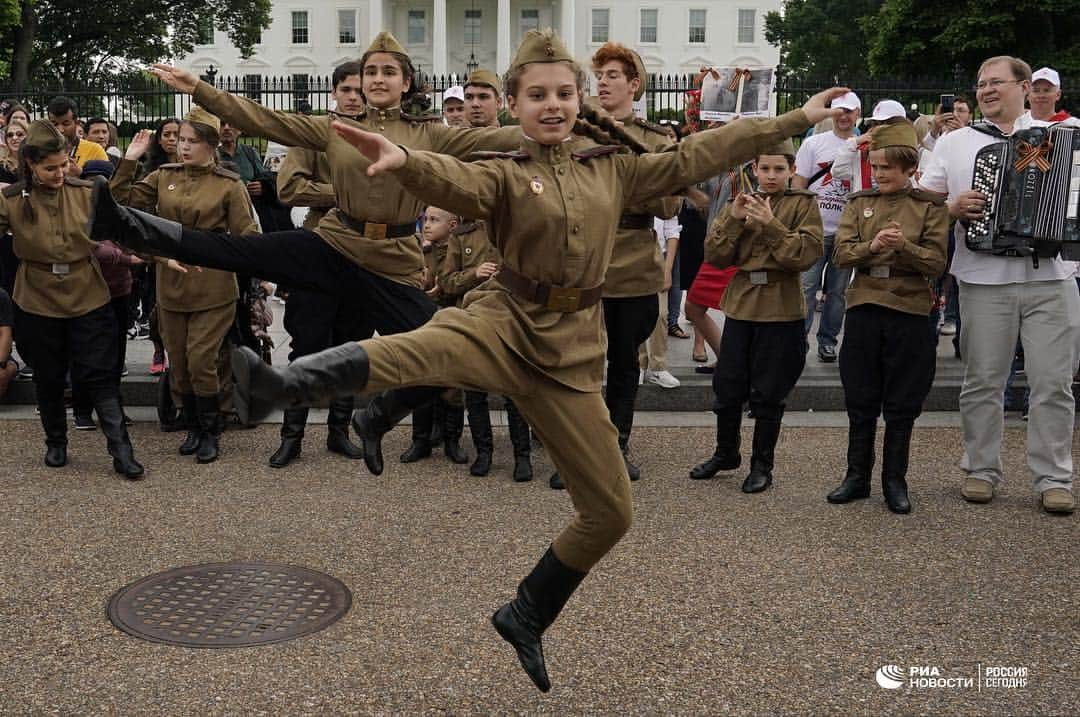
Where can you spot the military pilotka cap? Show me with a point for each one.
(787, 148)
(639, 67)
(197, 115)
(539, 46)
(42, 135)
(485, 77)
(901, 134)
(385, 42)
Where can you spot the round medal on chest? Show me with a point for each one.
(537, 185)
(868, 212)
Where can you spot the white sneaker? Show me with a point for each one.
(663, 379)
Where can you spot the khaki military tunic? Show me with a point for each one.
(377, 199)
(637, 266)
(468, 247)
(899, 279)
(770, 258)
(58, 276)
(553, 212)
(303, 180)
(208, 198)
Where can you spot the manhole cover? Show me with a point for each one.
(229, 604)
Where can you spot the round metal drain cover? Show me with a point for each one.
(229, 604)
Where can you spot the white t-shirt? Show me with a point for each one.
(814, 154)
(950, 172)
(666, 229)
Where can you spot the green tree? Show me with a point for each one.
(913, 37)
(67, 43)
(821, 37)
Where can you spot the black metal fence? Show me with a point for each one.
(140, 102)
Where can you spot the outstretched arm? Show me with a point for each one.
(294, 130)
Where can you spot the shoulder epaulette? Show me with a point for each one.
(228, 173)
(516, 155)
(77, 182)
(865, 193)
(799, 192)
(928, 196)
(599, 151)
(652, 126)
(13, 190)
(465, 228)
(430, 117)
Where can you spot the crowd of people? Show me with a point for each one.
(543, 269)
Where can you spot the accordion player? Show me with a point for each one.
(1031, 180)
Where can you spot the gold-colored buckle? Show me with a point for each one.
(563, 299)
(374, 231)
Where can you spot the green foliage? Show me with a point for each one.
(964, 34)
(821, 37)
(74, 43)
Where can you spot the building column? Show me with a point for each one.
(375, 20)
(438, 45)
(503, 23)
(566, 25)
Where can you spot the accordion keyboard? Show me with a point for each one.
(987, 178)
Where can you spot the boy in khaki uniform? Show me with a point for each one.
(772, 236)
(471, 259)
(896, 238)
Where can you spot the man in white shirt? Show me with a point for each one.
(813, 171)
(1002, 297)
(1044, 96)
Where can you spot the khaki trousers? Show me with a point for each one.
(573, 426)
(193, 339)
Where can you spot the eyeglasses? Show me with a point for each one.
(992, 84)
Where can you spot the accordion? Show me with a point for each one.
(1031, 180)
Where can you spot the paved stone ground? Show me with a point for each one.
(715, 603)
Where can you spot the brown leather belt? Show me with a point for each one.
(893, 273)
(58, 268)
(554, 298)
(635, 221)
(374, 230)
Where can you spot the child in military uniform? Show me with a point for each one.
(771, 236)
(63, 316)
(896, 237)
(534, 330)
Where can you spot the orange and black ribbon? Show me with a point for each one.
(1030, 154)
(739, 74)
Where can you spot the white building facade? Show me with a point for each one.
(311, 37)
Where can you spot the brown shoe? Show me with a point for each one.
(976, 490)
(1058, 500)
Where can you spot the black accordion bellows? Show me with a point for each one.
(1032, 183)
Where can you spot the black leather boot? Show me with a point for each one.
(337, 429)
(522, 442)
(210, 427)
(860, 463)
(766, 433)
(111, 420)
(292, 436)
(438, 422)
(259, 388)
(189, 416)
(423, 419)
(726, 456)
(894, 465)
(54, 421)
(453, 423)
(620, 400)
(134, 229)
(382, 413)
(555, 482)
(480, 427)
(541, 596)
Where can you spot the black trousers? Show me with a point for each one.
(80, 397)
(317, 321)
(87, 344)
(887, 363)
(759, 363)
(629, 321)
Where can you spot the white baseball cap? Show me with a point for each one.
(888, 109)
(849, 101)
(457, 92)
(1045, 73)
